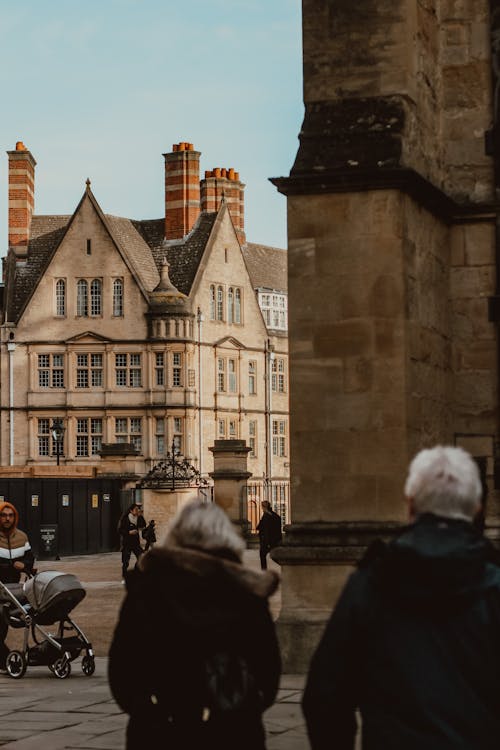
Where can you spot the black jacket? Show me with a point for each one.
(414, 644)
(269, 528)
(128, 540)
(182, 604)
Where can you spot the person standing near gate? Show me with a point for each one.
(16, 557)
(129, 529)
(269, 528)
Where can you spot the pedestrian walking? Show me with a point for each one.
(413, 643)
(194, 659)
(16, 557)
(149, 535)
(269, 528)
(129, 529)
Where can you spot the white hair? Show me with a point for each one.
(445, 481)
(206, 527)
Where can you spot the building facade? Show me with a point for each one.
(394, 283)
(138, 336)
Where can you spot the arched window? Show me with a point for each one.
(237, 306)
(61, 297)
(212, 302)
(220, 303)
(95, 297)
(230, 304)
(118, 298)
(82, 299)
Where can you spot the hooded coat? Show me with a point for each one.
(414, 645)
(182, 605)
(14, 547)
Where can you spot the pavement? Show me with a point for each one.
(41, 712)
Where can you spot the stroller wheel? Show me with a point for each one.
(88, 665)
(15, 664)
(61, 668)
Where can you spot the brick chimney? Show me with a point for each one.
(222, 183)
(21, 197)
(182, 190)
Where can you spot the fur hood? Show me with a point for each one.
(204, 568)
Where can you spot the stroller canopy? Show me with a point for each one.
(52, 590)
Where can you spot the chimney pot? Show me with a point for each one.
(237, 176)
(190, 147)
(217, 172)
(175, 147)
(223, 172)
(20, 146)
(231, 173)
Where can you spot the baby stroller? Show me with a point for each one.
(46, 599)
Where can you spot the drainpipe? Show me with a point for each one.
(269, 437)
(11, 348)
(199, 320)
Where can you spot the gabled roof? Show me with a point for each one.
(85, 337)
(143, 247)
(267, 266)
(183, 255)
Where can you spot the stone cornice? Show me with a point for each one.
(396, 178)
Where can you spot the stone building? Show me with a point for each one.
(393, 276)
(136, 336)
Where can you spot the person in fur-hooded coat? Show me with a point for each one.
(189, 598)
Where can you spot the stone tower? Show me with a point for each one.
(393, 283)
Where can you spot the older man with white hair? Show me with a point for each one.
(413, 644)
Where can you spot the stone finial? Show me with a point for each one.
(87, 182)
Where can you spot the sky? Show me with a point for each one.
(102, 88)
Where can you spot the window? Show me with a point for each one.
(230, 305)
(232, 379)
(252, 437)
(177, 434)
(274, 310)
(279, 437)
(96, 298)
(82, 299)
(118, 298)
(61, 298)
(128, 370)
(129, 430)
(252, 377)
(233, 429)
(89, 247)
(212, 302)
(51, 371)
(278, 383)
(177, 369)
(88, 436)
(221, 374)
(221, 429)
(160, 436)
(237, 306)
(89, 370)
(220, 303)
(44, 437)
(159, 368)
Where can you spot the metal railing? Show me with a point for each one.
(277, 492)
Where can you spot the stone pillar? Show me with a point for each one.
(162, 505)
(230, 477)
(391, 262)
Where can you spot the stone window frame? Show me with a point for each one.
(274, 307)
(177, 368)
(89, 370)
(50, 369)
(279, 437)
(278, 375)
(130, 430)
(60, 298)
(118, 297)
(159, 368)
(212, 302)
(96, 298)
(160, 435)
(252, 438)
(252, 377)
(88, 436)
(178, 433)
(128, 370)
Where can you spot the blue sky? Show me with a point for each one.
(102, 88)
